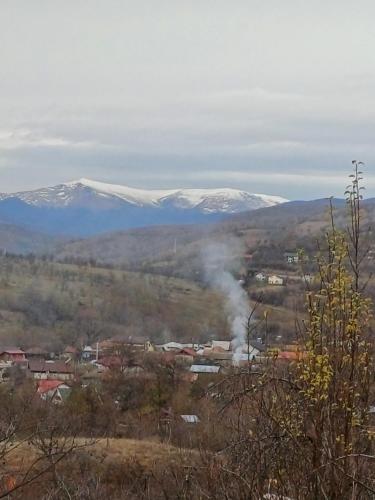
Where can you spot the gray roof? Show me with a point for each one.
(256, 345)
(204, 369)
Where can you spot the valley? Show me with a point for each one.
(136, 352)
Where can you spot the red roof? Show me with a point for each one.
(290, 355)
(187, 351)
(50, 367)
(48, 385)
(110, 361)
(12, 350)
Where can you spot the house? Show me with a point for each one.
(185, 356)
(290, 355)
(217, 354)
(4, 370)
(173, 346)
(118, 363)
(106, 345)
(69, 352)
(187, 351)
(12, 354)
(308, 278)
(149, 346)
(204, 369)
(221, 345)
(109, 363)
(134, 342)
(41, 369)
(36, 353)
(252, 350)
(275, 280)
(190, 419)
(53, 390)
(88, 353)
(261, 277)
(291, 257)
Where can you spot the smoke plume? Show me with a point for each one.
(217, 260)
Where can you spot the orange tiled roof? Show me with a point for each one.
(48, 385)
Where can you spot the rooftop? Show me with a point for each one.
(48, 385)
(204, 369)
(50, 366)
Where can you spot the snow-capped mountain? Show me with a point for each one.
(83, 192)
(86, 207)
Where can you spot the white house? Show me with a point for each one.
(88, 353)
(221, 344)
(291, 257)
(251, 350)
(275, 280)
(260, 277)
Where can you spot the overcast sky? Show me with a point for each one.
(268, 96)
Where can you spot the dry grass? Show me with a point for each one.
(147, 453)
(109, 451)
(110, 467)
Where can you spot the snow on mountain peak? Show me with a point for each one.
(209, 200)
(131, 195)
(95, 195)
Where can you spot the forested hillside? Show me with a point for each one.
(53, 305)
(177, 250)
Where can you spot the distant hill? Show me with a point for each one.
(19, 240)
(178, 248)
(132, 247)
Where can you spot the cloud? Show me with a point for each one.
(259, 95)
(23, 138)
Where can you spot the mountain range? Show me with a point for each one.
(77, 222)
(85, 207)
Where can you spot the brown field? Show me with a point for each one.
(109, 451)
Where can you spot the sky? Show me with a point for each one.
(271, 97)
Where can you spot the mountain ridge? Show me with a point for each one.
(68, 193)
(85, 208)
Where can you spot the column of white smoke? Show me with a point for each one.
(236, 303)
(236, 306)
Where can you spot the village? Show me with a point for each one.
(54, 374)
